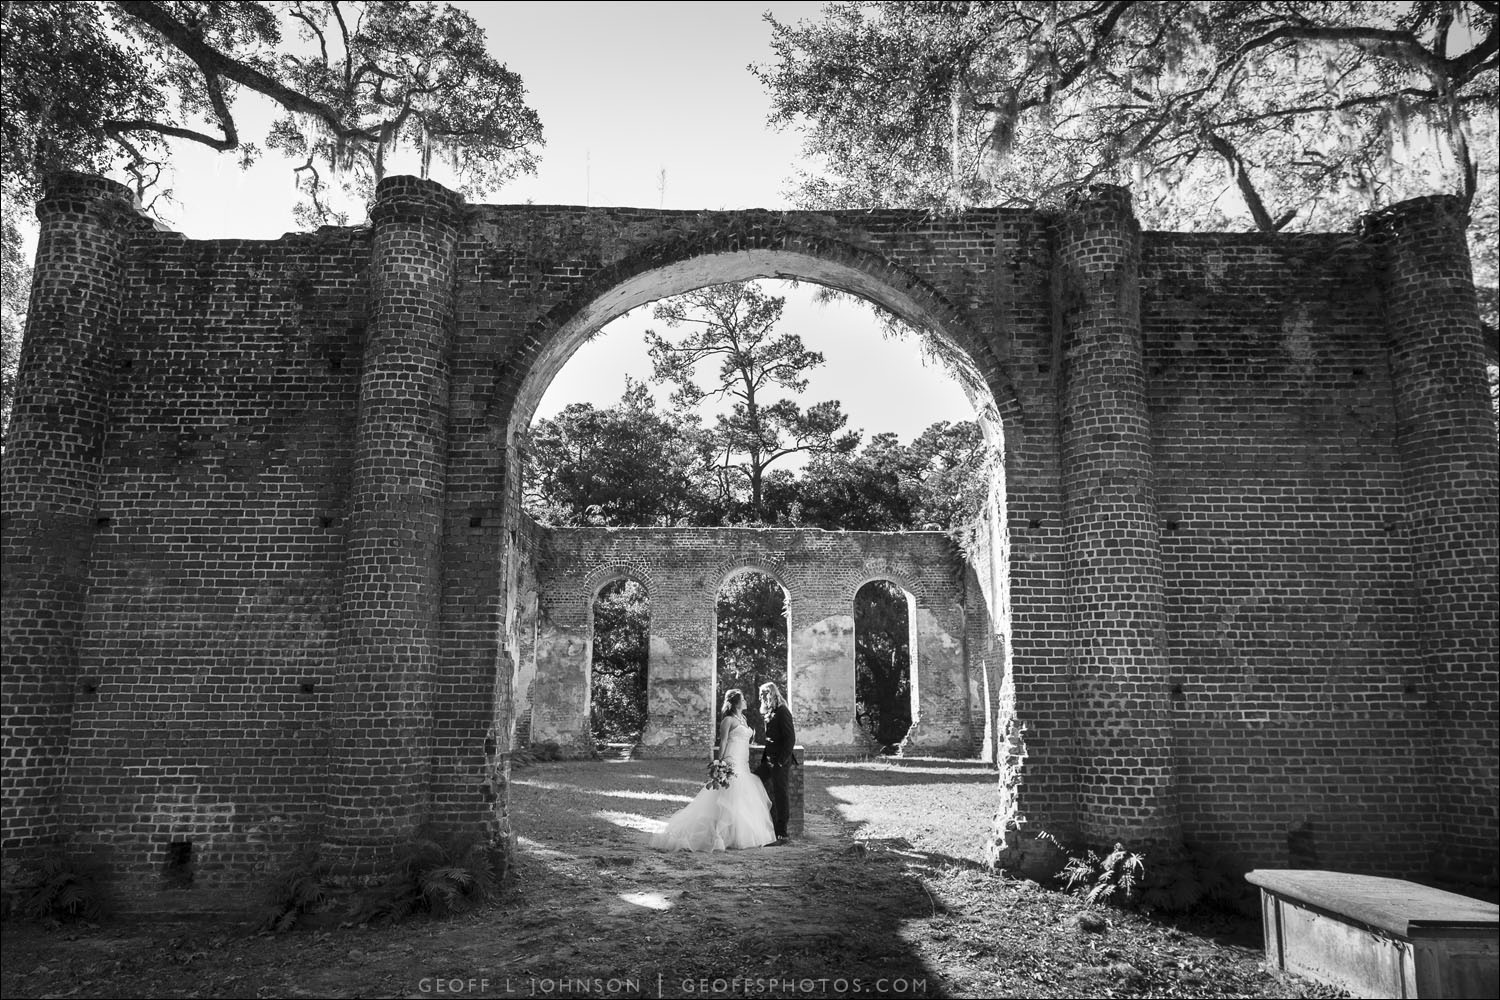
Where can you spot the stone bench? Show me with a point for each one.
(1379, 937)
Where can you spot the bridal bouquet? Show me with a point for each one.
(719, 773)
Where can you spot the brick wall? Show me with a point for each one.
(1289, 617)
(205, 654)
(267, 582)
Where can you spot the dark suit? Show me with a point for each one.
(781, 740)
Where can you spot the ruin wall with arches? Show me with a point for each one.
(264, 559)
(682, 570)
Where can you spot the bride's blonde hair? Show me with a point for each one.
(733, 699)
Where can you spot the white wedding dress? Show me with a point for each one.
(719, 819)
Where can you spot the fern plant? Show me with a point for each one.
(434, 874)
(64, 888)
(299, 889)
(1114, 878)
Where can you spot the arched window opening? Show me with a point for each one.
(882, 664)
(619, 664)
(751, 640)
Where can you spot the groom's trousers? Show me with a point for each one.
(781, 806)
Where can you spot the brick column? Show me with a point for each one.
(1114, 575)
(50, 488)
(388, 641)
(1446, 438)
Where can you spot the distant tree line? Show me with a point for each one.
(640, 462)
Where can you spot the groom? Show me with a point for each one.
(781, 739)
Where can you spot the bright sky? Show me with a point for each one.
(625, 91)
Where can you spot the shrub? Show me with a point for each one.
(434, 874)
(1181, 879)
(63, 888)
(1114, 878)
(298, 889)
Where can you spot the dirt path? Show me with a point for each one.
(880, 898)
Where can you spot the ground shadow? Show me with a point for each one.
(816, 918)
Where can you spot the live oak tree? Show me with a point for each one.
(92, 86)
(103, 87)
(1280, 112)
(731, 332)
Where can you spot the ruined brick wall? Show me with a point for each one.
(267, 582)
(682, 570)
(1291, 645)
(204, 667)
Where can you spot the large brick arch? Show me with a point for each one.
(265, 566)
(714, 255)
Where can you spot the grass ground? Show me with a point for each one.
(884, 896)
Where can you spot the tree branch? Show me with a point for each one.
(322, 41)
(216, 63)
(1263, 220)
(117, 129)
(1400, 45)
(348, 57)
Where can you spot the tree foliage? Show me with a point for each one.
(93, 86)
(15, 284)
(621, 648)
(628, 464)
(752, 640)
(731, 332)
(882, 662)
(116, 87)
(936, 482)
(1291, 113)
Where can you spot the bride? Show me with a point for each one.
(722, 818)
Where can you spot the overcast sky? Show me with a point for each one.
(626, 91)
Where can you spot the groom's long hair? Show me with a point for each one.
(775, 692)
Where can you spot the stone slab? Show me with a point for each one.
(1400, 907)
(1379, 937)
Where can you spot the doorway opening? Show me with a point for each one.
(619, 664)
(882, 665)
(751, 641)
